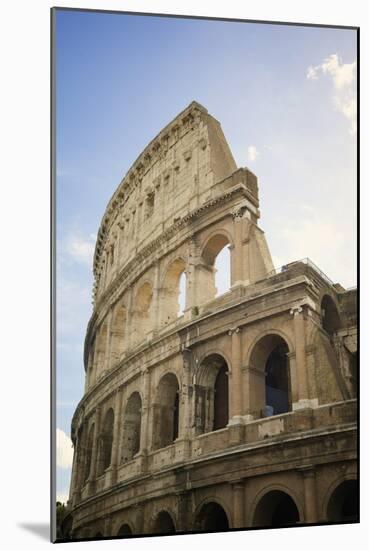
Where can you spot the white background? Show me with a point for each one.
(25, 260)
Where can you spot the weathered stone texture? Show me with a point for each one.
(239, 408)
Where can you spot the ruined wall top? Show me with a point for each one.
(173, 176)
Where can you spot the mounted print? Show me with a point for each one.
(205, 326)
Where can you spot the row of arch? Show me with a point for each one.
(275, 508)
(211, 399)
(114, 338)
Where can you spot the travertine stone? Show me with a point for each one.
(194, 392)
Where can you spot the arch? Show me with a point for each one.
(267, 332)
(90, 442)
(125, 530)
(270, 380)
(118, 332)
(163, 523)
(142, 312)
(131, 427)
(211, 517)
(342, 505)
(98, 535)
(170, 291)
(275, 508)
(331, 321)
(212, 394)
(213, 243)
(166, 411)
(106, 442)
(209, 280)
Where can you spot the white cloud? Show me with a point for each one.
(81, 248)
(252, 153)
(64, 450)
(343, 77)
(320, 240)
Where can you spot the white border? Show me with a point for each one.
(24, 219)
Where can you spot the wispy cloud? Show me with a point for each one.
(252, 153)
(81, 248)
(343, 77)
(64, 450)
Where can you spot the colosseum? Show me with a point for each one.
(237, 410)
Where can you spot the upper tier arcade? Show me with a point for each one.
(175, 175)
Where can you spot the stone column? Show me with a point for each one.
(311, 512)
(238, 489)
(237, 253)
(130, 316)
(155, 306)
(116, 435)
(145, 418)
(184, 511)
(301, 372)
(236, 405)
(191, 286)
(95, 449)
(186, 397)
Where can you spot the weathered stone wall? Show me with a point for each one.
(152, 450)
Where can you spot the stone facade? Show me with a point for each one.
(239, 412)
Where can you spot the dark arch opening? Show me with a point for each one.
(131, 427)
(166, 411)
(99, 535)
(276, 508)
(221, 398)
(270, 377)
(330, 317)
(106, 442)
(90, 443)
(212, 517)
(343, 503)
(125, 531)
(211, 395)
(163, 523)
(277, 381)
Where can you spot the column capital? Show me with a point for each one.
(296, 310)
(307, 470)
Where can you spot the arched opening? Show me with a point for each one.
(211, 395)
(214, 272)
(330, 317)
(211, 517)
(98, 535)
(132, 427)
(276, 509)
(106, 442)
(343, 503)
(125, 531)
(90, 442)
(166, 411)
(270, 377)
(163, 523)
(118, 330)
(173, 292)
(142, 313)
(222, 267)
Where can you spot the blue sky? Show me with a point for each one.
(285, 97)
